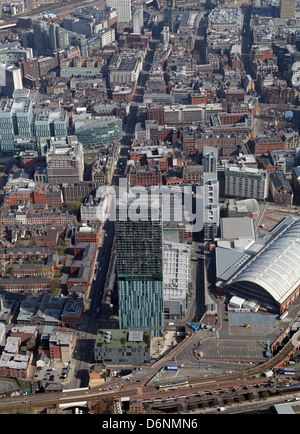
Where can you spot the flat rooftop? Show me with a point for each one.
(123, 338)
(237, 227)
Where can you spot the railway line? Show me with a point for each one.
(140, 391)
(251, 376)
(56, 7)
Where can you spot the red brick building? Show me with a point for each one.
(23, 270)
(48, 195)
(87, 234)
(197, 98)
(61, 346)
(227, 144)
(144, 175)
(82, 264)
(15, 196)
(30, 285)
(261, 54)
(124, 93)
(156, 113)
(262, 145)
(267, 165)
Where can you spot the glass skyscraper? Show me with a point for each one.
(140, 274)
(169, 18)
(50, 123)
(15, 120)
(98, 131)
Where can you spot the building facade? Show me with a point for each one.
(65, 160)
(140, 272)
(99, 131)
(177, 275)
(287, 9)
(246, 182)
(126, 347)
(211, 209)
(123, 8)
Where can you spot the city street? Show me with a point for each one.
(91, 319)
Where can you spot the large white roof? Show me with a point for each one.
(276, 268)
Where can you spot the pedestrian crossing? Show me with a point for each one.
(284, 320)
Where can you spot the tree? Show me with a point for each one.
(73, 206)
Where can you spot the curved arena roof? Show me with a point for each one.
(276, 268)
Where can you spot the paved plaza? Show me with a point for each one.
(252, 319)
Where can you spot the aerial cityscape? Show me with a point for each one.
(150, 209)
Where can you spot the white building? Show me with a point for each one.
(226, 18)
(246, 182)
(296, 74)
(138, 18)
(106, 36)
(10, 79)
(176, 273)
(123, 8)
(125, 69)
(95, 210)
(211, 209)
(165, 37)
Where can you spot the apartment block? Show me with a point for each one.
(245, 182)
(177, 274)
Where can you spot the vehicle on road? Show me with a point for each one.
(173, 386)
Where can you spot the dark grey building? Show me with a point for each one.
(122, 347)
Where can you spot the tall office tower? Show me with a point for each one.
(62, 37)
(52, 36)
(27, 39)
(140, 273)
(58, 36)
(169, 18)
(138, 18)
(123, 8)
(211, 209)
(287, 9)
(41, 37)
(165, 37)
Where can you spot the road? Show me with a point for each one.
(142, 391)
(91, 321)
